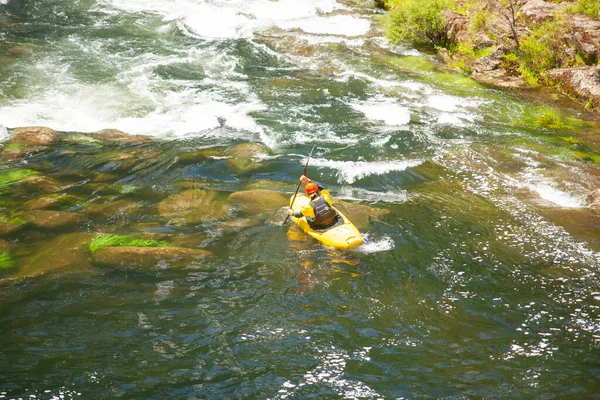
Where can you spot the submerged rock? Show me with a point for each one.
(68, 251)
(359, 214)
(192, 207)
(4, 245)
(243, 158)
(52, 219)
(35, 136)
(258, 201)
(148, 257)
(240, 224)
(118, 207)
(48, 201)
(8, 228)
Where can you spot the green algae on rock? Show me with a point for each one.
(100, 242)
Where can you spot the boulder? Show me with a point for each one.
(35, 136)
(537, 11)
(192, 207)
(258, 201)
(147, 257)
(53, 219)
(490, 70)
(582, 83)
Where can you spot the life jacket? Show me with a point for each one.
(324, 214)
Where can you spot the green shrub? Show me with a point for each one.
(481, 20)
(420, 21)
(591, 8)
(100, 242)
(6, 260)
(542, 50)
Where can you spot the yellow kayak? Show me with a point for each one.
(343, 235)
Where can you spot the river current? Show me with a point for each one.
(479, 272)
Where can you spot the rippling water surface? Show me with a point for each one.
(478, 277)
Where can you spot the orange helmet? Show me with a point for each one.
(311, 188)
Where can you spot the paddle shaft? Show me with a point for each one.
(300, 183)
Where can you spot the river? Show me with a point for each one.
(478, 275)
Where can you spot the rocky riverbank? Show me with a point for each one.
(519, 44)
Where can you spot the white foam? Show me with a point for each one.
(351, 171)
(352, 193)
(548, 190)
(3, 133)
(386, 111)
(234, 19)
(343, 25)
(375, 245)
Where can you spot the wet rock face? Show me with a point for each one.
(193, 207)
(35, 136)
(593, 200)
(582, 83)
(148, 257)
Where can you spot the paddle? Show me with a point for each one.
(300, 183)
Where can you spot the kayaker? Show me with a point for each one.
(319, 212)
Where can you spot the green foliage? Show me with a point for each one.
(591, 8)
(541, 51)
(6, 260)
(480, 21)
(420, 21)
(12, 177)
(100, 242)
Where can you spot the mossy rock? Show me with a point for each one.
(42, 184)
(11, 225)
(53, 219)
(49, 201)
(243, 157)
(259, 201)
(35, 136)
(11, 154)
(68, 251)
(196, 157)
(148, 257)
(192, 207)
(117, 136)
(359, 214)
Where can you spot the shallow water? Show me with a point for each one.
(479, 272)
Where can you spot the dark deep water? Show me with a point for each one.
(478, 277)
